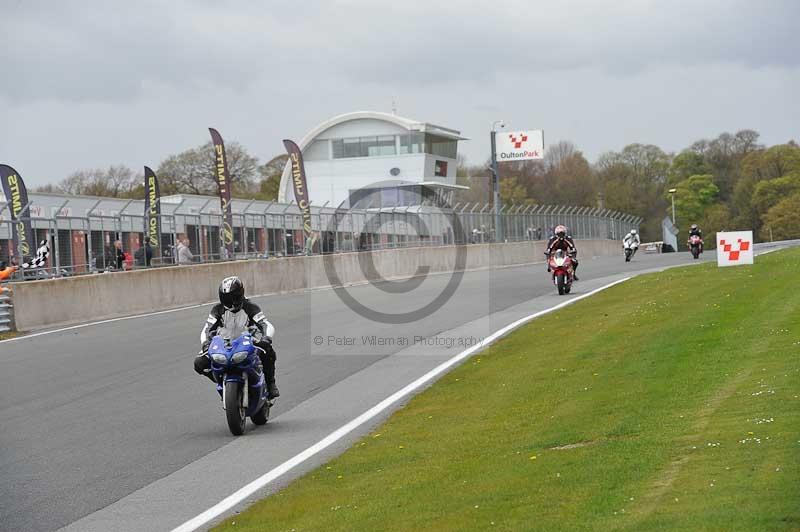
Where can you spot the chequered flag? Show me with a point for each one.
(41, 256)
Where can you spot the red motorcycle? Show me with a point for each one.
(561, 265)
(695, 244)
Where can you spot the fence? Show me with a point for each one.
(85, 244)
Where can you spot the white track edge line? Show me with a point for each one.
(249, 489)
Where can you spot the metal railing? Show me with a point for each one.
(6, 312)
(85, 244)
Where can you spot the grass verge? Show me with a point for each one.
(669, 402)
(7, 335)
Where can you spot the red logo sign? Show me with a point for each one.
(733, 254)
(518, 141)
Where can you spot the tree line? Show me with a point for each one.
(731, 182)
(189, 172)
(727, 183)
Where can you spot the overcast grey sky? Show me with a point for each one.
(91, 83)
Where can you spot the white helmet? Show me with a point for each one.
(633, 231)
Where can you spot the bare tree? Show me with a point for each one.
(556, 153)
(115, 181)
(746, 141)
(194, 171)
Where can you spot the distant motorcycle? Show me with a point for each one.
(695, 246)
(561, 266)
(237, 371)
(630, 250)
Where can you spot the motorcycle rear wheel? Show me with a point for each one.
(234, 408)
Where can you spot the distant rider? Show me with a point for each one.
(560, 240)
(631, 239)
(695, 231)
(233, 315)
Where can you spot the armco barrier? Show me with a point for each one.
(65, 301)
(6, 312)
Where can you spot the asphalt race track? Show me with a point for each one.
(107, 427)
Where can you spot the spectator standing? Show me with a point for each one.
(144, 255)
(185, 255)
(119, 255)
(310, 241)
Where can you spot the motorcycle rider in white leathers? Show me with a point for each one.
(631, 240)
(233, 315)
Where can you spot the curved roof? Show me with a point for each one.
(406, 123)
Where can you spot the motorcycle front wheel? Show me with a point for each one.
(235, 408)
(561, 283)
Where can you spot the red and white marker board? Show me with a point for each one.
(734, 248)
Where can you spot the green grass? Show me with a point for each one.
(7, 335)
(663, 386)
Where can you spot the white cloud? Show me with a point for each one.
(92, 83)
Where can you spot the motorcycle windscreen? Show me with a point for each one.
(235, 325)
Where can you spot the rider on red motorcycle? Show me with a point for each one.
(560, 240)
(695, 231)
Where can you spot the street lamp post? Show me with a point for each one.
(672, 192)
(496, 180)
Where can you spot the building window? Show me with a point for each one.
(410, 195)
(414, 142)
(390, 197)
(352, 148)
(441, 146)
(338, 148)
(369, 146)
(316, 151)
(364, 147)
(386, 145)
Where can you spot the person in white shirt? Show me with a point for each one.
(185, 255)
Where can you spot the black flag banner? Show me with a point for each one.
(224, 188)
(300, 185)
(152, 207)
(17, 198)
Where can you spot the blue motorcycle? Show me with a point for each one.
(240, 381)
